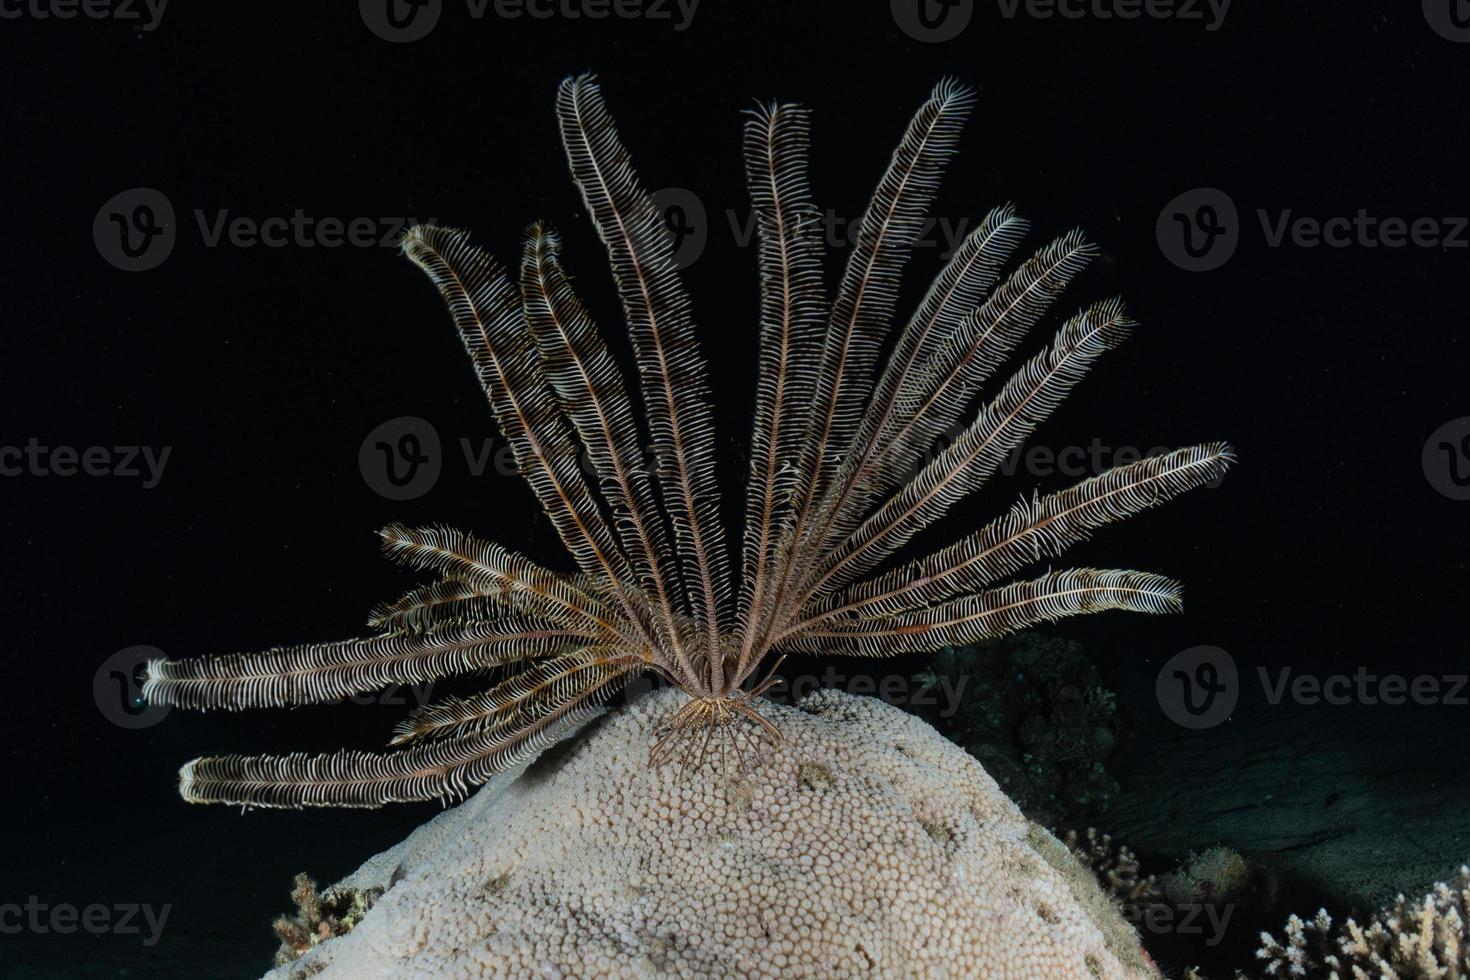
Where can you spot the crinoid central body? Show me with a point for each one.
(841, 477)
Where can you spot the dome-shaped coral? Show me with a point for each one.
(864, 844)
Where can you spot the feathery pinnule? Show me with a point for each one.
(994, 612)
(313, 673)
(640, 251)
(436, 769)
(469, 562)
(791, 314)
(488, 312)
(1002, 425)
(868, 294)
(863, 309)
(950, 349)
(424, 607)
(952, 302)
(590, 386)
(1033, 530)
(838, 483)
(521, 699)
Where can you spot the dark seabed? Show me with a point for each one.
(1278, 190)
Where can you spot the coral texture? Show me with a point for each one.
(863, 844)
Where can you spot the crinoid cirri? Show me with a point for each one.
(842, 476)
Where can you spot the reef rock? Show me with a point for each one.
(1033, 709)
(862, 845)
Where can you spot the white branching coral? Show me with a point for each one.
(863, 844)
(1422, 940)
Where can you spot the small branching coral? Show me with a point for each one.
(1115, 866)
(1428, 939)
(319, 916)
(841, 477)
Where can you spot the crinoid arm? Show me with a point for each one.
(536, 707)
(591, 391)
(640, 251)
(1031, 531)
(488, 312)
(872, 482)
(313, 673)
(843, 477)
(951, 347)
(993, 612)
(490, 573)
(967, 465)
(792, 309)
